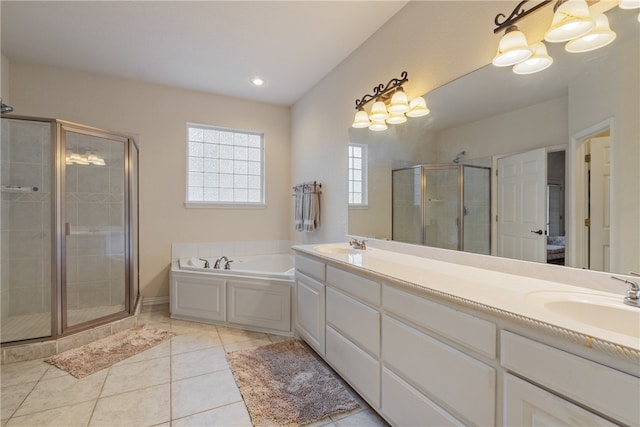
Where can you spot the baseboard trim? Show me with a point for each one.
(155, 300)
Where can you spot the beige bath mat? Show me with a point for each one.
(284, 385)
(95, 356)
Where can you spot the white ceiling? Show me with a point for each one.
(212, 46)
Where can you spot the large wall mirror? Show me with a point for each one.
(499, 166)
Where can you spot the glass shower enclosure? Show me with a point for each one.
(443, 205)
(69, 216)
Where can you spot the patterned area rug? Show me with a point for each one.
(284, 385)
(101, 354)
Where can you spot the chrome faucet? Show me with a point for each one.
(206, 263)
(227, 265)
(358, 244)
(217, 264)
(633, 293)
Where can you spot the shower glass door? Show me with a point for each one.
(26, 250)
(407, 205)
(442, 207)
(95, 278)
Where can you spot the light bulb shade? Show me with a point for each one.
(361, 119)
(95, 160)
(513, 48)
(539, 61)
(417, 107)
(378, 112)
(399, 102)
(600, 36)
(396, 118)
(571, 20)
(378, 126)
(629, 4)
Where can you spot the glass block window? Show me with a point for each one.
(357, 175)
(224, 166)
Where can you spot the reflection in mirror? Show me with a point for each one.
(586, 106)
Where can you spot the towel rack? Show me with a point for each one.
(308, 187)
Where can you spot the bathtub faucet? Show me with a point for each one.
(219, 260)
(227, 265)
(206, 263)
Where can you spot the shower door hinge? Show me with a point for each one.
(587, 158)
(587, 222)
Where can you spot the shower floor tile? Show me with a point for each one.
(168, 385)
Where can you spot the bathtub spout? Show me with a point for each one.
(219, 260)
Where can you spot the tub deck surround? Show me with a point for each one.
(254, 294)
(512, 297)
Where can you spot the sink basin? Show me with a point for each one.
(601, 311)
(337, 249)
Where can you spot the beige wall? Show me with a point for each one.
(156, 116)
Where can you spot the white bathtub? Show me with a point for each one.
(270, 266)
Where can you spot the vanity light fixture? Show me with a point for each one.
(572, 23)
(397, 110)
(90, 159)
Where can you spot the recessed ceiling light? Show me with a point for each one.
(257, 81)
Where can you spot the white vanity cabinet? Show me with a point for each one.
(309, 310)
(421, 356)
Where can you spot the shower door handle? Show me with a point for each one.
(538, 232)
(67, 229)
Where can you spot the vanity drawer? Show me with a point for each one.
(403, 405)
(599, 387)
(467, 330)
(364, 289)
(359, 322)
(442, 373)
(357, 367)
(310, 267)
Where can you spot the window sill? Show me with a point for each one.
(216, 205)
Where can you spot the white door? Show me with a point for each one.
(522, 183)
(599, 196)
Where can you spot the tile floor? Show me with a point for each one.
(185, 381)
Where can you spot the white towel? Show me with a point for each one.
(307, 207)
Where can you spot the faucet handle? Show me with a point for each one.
(227, 265)
(633, 273)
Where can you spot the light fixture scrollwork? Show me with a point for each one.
(391, 106)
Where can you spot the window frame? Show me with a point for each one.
(226, 204)
(364, 204)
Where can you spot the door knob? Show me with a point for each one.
(538, 232)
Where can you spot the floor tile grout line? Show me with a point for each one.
(95, 405)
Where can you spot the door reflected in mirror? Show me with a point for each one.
(587, 212)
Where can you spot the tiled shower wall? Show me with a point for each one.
(26, 218)
(95, 213)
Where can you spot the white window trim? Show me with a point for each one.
(365, 179)
(226, 205)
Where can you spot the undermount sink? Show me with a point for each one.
(329, 249)
(601, 311)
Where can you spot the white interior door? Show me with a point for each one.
(522, 183)
(599, 196)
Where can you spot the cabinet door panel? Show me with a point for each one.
(310, 267)
(529, 406)
(310, 312)
(196, 298)
(260, 305)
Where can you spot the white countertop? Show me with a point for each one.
(539, 300)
